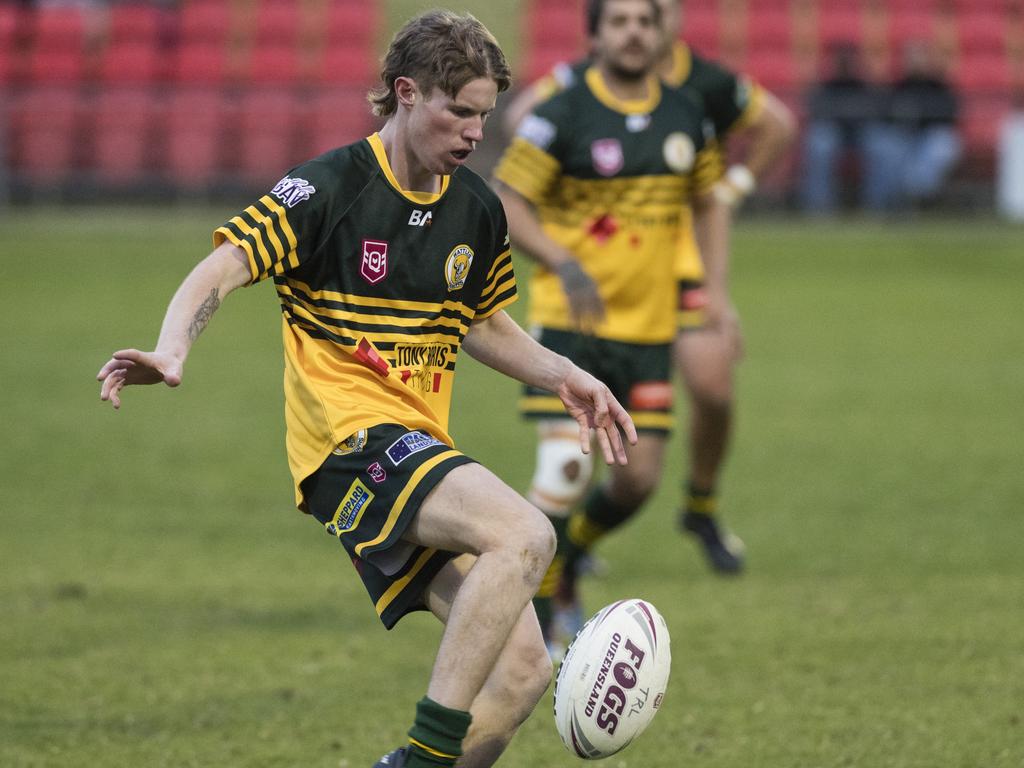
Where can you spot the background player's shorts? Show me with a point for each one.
(366, 493)
(692, 301)
(637, 374)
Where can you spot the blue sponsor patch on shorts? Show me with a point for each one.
(408, 444)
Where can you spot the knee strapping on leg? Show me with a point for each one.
(562, 474)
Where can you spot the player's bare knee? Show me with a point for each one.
(538, 548)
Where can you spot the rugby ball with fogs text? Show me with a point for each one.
(613, 679)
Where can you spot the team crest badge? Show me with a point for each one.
(456, 266)
(351, 444)
(679, 152)
(607, 156)
(374, 267)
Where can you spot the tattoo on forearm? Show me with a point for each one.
(203, 314)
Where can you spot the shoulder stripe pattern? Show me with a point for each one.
(500, 290)
(262, 230)
(528, 170)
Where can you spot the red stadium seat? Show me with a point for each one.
(278, 23)
(701, 27)
(769, 29)
(352, 21)
(552, 32)
(272, 65)
(207, 21)
(983, 73)
(981, 32)
(266, 145)
(130, 62)
(6, 68)
(980, 125)
(138, 22)
(57, 27)
(839, 24)
(337, 117)
(56, 66)
(774, 70)
(11, 25)
(44, 123)
(347, 65)
(911, 24)
(193, 123)
(199, 63)
(122, 124)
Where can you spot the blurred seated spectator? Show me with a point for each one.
(839, 111)
(910, 154)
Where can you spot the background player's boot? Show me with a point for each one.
(393, 759)
(723, 550)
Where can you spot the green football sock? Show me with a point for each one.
(436, 735)
(600, 515)
(701, 501)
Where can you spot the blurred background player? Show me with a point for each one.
(911, 151)
(592, 185)
(709, 343)
(375, 309)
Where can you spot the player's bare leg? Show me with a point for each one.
(511, 544)
(519, 678)
(472, 511)
(706, 358)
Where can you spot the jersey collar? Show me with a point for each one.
(601, 92)
(682, 64)
(420, 198)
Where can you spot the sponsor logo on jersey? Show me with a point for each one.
(607, 156)
(429, 354)
(637, 123)
(376, 472)
(351, 444)
(291, 191)
(374, 267)
(538, 131)
(408, 444)
(679, 152)
(356, 500)
(456, 266)
(420, 218)
(416, 364)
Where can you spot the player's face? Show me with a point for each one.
(628, 37)
(444, 131)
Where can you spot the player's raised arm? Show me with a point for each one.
(189, 312)
(498, 342)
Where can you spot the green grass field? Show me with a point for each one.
(162, 603)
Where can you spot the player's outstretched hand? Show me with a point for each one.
(585, 302)
(595, 408)
(131, 366)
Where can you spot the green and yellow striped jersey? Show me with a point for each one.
(609, 179)
(378, 287)
(730, 101)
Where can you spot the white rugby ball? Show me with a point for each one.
(613, 679)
